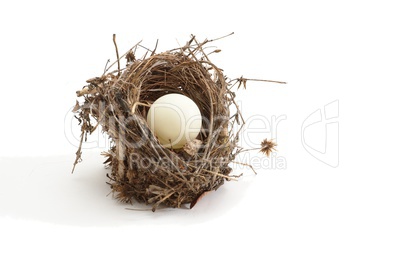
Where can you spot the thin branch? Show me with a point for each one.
(117, 54)
(140, 209)
(79, 152)
(156, 46)
(263, 80)
(144, 47)
(243, 80)
(247, 165)
(107, 62)
(212, 40)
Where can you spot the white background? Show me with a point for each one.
(307, 214)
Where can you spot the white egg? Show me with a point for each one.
(175, 120)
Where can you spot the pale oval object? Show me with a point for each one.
(175, 120)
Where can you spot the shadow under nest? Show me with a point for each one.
(141, 168)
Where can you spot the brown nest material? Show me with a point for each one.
(141, 168)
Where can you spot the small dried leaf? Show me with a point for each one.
(76, 107)
(237, 118)
(192, 147)
(130, 57)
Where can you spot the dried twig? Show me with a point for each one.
(117, 54)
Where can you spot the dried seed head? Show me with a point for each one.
(267, 146)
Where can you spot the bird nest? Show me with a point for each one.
(141, 168)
